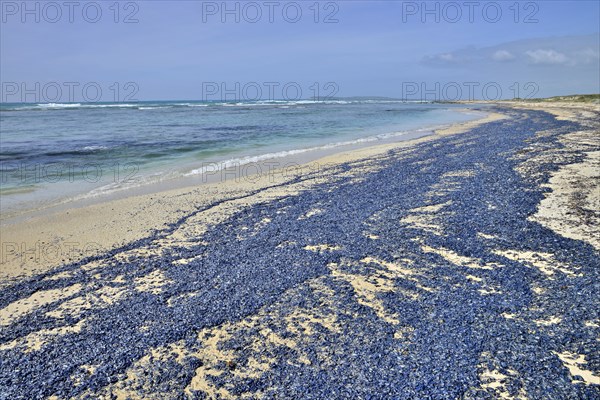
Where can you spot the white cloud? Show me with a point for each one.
(568, 51)
(443, 59)
(540, 56)
(447, 57)
(588, 55)
(503, 55)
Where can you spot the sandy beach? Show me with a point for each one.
(474, 249)
(77, 230)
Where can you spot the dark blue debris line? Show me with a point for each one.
(456, 327)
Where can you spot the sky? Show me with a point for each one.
(244, 50)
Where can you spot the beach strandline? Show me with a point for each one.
(69, 232)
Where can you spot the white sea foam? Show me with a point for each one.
(225, 164)
(59, 105)
(119, 105)
(80, 105)
(191, 104)
(258, 103)
(94, 148)
(235, 162)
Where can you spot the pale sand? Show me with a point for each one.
(44, 242)
(572, 207)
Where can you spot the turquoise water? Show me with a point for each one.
(56, 152)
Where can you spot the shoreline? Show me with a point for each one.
(188, 174)
(118, 179)
(406, 246)
(43, 239)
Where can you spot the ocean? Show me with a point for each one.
(56, 153)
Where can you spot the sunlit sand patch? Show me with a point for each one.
(59, 275)
(215, 360)
(575, 363)
(285, 243)
(135, 381)
(19, 308)
(544, 262)
(153, 282)
(463, 142)
(548, 321)
(494, 380)
(301, 322)
(185, 261)
(433, 208)
(360, 170)
(393, 268)
(474, 278)
(311, 213)
(571, 208)
(90, 369)
(148, 252)
(262, 223)
(457, 259)
(259, 355)
(538, 290)
(485, 289)
(250, 231)
(36, 340)
(529, 161)
(318, 248)
(464, 173)
(427, 162)
(488, 291)
(426, 223)
(211, 355)
(366, 290)
(381, 280)
(426, 218)
(464, 261)
(449, 182)
(97, 299)
(446, 185)
(94, 265)
(173, 301)
(443, 188)
(178, 241)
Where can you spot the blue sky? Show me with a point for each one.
(368, 48)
